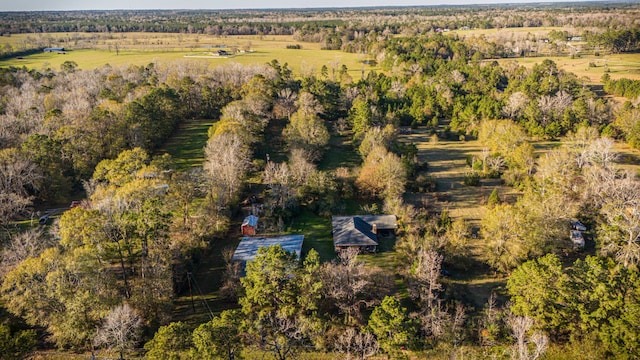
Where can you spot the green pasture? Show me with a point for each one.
(125, 49)
(590, 67)
(340, 153)
(186, 146)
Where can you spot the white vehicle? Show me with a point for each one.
(577, 239)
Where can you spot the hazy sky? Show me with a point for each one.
(16, 5)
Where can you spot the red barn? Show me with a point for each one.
(250, 225)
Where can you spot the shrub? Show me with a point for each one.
(494, 198)
(472, 178)
(425, 183)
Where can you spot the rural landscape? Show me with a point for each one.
(428, 182)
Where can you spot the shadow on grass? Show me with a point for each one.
(195, 303)
(339, 154)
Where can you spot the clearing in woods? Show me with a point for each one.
(447, 164)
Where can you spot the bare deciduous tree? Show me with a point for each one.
(426, 273)
(350, 285)
(27, 244)
(278, 177)
(120, 330)
(227, 160)
(620, 237)
(281, 336)
(354, 344)
(515, 104)
(17, 176)
(520, 328)
(308, 104)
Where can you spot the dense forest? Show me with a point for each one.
(105, 274)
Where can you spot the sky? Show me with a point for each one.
(36, 5)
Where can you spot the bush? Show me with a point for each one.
(494, 198)
(15, 345)
(472, 178)
(294, 46)
(425, 183)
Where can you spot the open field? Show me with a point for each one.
(616, 65)
(447, 160)
(186, 146)
(91, 50)
(95, 50)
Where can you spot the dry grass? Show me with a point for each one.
(90, 50)
(616, 65)
(447, 164)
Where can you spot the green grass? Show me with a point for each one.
(186, 146)
(317, 234)
(616, 65)
(96, 50)
(340, 153)
(92, 59)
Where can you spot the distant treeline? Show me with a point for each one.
(288, 21)
(627, 40)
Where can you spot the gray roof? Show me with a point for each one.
(357, 230)
(248, 247)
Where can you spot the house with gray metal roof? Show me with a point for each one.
(362, 231)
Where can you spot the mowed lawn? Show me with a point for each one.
(186, 146)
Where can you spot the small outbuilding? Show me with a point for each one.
(54, 49)
(248, 247)
(362, 231)
(249, 225)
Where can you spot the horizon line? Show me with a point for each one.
(357, 7)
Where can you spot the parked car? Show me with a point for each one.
(577, 225)
(577, 239)
(43, 219)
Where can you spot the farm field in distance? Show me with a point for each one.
(90, 50)
(590, 67)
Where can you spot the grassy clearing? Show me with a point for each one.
(340, 154)
(317, 234)
(447, 164)
(616, 65)
(186, 146)
(96, 50)
(505, 32)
